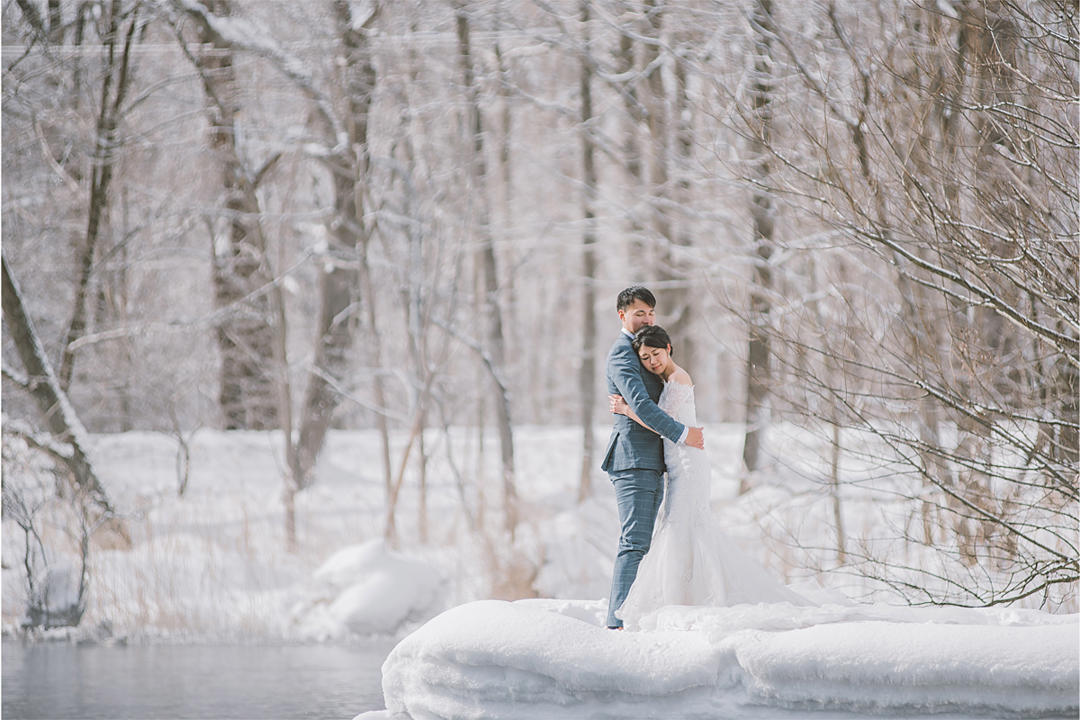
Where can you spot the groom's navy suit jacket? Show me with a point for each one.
(632, 446)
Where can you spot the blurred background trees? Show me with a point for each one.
(860, 220)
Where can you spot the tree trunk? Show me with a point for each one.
(415, 325)
(247, 395)
(670, 264)
(382, 425)
(480, 477)
(762, 217)
(348, 236)
(56, 23)
(491, 310)
(655, 99)
(683, 301)
(415, 434)
(116, 71)
(421, 506)
(634, 117)
(59, 416)
(834, 490)
(587, 373)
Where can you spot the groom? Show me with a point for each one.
(635, 455)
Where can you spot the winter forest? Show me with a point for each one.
(403, 225)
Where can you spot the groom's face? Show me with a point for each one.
(637, 315)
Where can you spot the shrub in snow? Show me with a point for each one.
(57, 600)
(368, 589)
(55, 589)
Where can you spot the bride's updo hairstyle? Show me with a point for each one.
(652, 336)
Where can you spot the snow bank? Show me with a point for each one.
(545, 659)
(578, 547)
(211, 565)
(367, 589)
(880, 667)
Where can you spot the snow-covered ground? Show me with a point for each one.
(540, 659)
(212, 564)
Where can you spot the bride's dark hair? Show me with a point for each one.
(651, 336)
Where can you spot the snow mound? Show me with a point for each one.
(367, 589)
(545, 659)
(56, 601)
(577, 550)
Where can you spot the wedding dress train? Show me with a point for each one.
(690, 561)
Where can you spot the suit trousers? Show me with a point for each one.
(638, 493)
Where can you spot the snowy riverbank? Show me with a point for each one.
(535, 660)
(209, 565)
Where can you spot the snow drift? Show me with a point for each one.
(367, 589)
(547, 659)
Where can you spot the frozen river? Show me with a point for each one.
(61, 680)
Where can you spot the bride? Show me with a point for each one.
(690, 562)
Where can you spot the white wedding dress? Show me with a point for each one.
(690, 561)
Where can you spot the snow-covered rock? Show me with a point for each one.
(547, 659)
(368, 589)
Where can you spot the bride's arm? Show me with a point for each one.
(619, 407)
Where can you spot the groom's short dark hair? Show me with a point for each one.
(632, 293)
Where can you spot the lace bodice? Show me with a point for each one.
(687, 467)
(677, 400)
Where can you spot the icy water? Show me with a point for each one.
(228, 682)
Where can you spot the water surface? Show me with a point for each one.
(62, 681)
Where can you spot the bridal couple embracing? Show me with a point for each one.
(669, 553)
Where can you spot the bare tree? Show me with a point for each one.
(880, 196)
(944, 164)
(763, 219)
(493, 351)
(342, 133)
(245, 334)
(116, 80)
(667, 161)
(348, 237)
(70, 446)
(417, 288)
(89, 131)
(625, 69)
(52, 602)
(587, 372)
